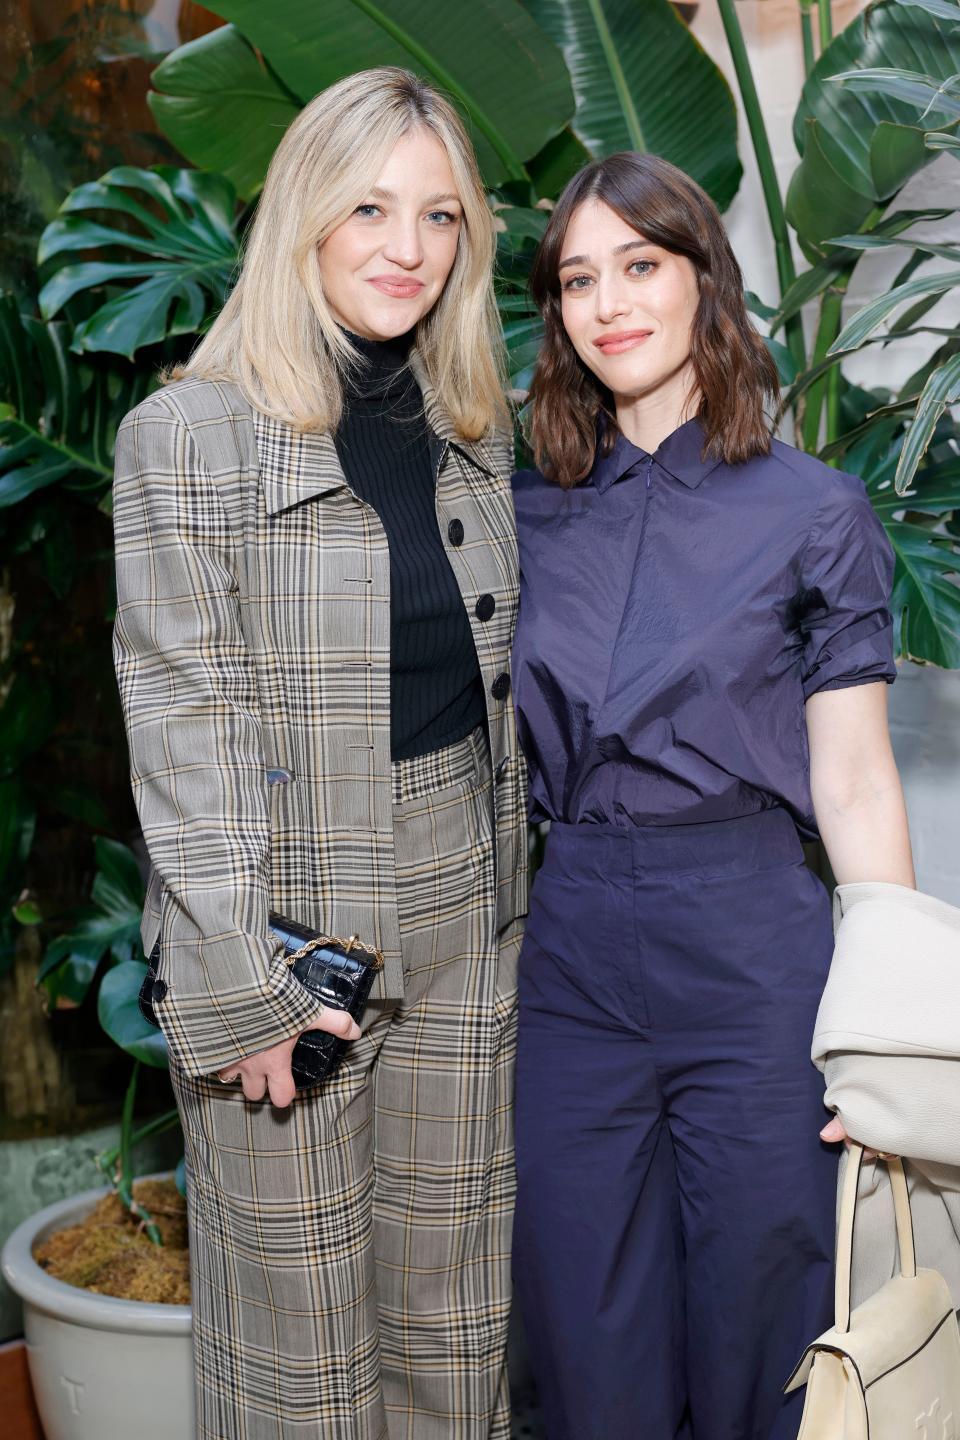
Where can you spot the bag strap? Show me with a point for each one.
(848, 1206)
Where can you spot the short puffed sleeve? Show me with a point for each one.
(846, 578)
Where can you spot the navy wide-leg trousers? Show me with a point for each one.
(675, 1219)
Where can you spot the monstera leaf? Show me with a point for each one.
(506, 76)
(858, 145)
(185, 239)
(58, 415)
(642, 82)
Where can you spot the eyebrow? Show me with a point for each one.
(617, 250)
(381, 194)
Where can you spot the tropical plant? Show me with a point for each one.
(864, 126)
(102, 952)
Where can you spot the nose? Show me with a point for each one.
(403, 245)
(611, 298)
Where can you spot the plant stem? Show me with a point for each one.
(806, 34)
(786, 273)
(826, 24)
(125, 1178)
(107, 1159)
(830, 387)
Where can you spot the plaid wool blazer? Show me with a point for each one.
(252, 650)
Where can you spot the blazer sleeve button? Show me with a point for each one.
(159, 990)
(455, 532)
(500, 688)
(485, 607)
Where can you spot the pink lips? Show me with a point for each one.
(400, 287)
(622, 340)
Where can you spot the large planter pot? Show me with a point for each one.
(99, 1366)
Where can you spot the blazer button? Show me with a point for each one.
(500, 688)
(455, 532)
(485, 607)
(158, 990)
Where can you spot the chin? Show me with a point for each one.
(394, 318)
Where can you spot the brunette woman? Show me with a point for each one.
(317, 584)
(701, 665)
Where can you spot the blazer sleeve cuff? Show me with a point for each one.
(206, 1031)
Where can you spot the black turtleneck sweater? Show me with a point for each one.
(383, 442)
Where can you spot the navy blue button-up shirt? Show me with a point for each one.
(675, 614)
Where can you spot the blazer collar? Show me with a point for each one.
(302, 465)
(439, 422)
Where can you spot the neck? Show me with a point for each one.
(647, 419)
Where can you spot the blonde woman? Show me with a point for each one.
(317, 587)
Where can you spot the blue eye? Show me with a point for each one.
(367, 210)
(574, 282)
(443, 217)
(650, 264)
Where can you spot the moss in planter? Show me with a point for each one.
(108, 1253)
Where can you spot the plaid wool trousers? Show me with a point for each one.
(350, 1255)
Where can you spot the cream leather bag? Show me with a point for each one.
(891, 1369)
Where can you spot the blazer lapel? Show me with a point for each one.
(294, 466)
(442, 426)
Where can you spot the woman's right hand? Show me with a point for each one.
(268, 1071)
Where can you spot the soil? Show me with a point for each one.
(109, 1252)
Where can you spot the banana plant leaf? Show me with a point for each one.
(506, 76)
(218, 102)
(859, 146)
(642, 82)
(189, 252)
(58, 415)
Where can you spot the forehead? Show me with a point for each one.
(594, 229)
(419, 161)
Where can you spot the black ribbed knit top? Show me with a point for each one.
(383, 442)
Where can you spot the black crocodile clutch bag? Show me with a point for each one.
(340, 973)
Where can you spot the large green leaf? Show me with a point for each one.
(642, 82)
(859, 146)
(926, 597)
(506, 76)
(59, 416)
(120, 1016)
(190, 251)
(220, 105)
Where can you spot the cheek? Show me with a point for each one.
(340, 255)
(441, 249)
(575, 319)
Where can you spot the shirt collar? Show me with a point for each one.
(681, 455)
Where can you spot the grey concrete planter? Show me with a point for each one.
(100, 1366)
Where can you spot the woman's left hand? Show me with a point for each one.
(834, 1131)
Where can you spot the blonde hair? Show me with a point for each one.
(276, 336)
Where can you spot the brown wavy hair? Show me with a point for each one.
(735, 372)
